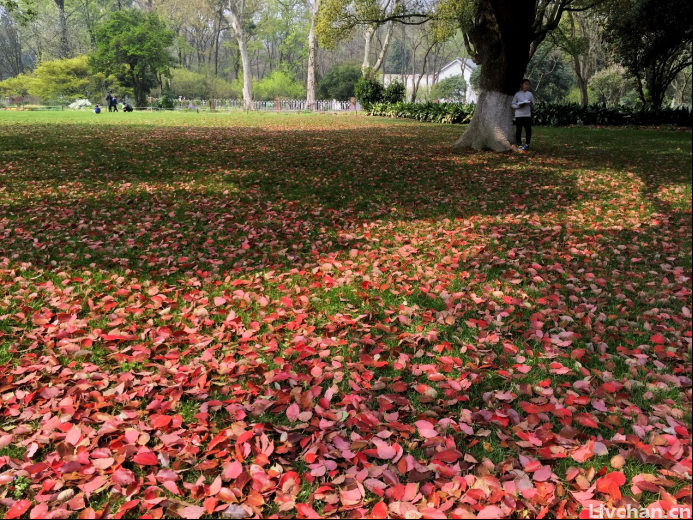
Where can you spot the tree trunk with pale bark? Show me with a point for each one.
(237, 25)
(312, 47)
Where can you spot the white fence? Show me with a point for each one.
(280, 105)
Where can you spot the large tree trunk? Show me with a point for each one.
(502, 35)
(237, 25)
(311, 83)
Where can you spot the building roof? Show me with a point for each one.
(466, 62)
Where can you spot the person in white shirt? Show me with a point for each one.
(523, 103)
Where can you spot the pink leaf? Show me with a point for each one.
(491, 512)
(233, 470)
(542, 474)
(192, 512)
(292, 412)
(123, 477)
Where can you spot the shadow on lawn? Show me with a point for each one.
(252, 198)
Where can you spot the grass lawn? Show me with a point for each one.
(329, 316)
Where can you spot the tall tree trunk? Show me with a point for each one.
(415, 86)
(502, 36)
(64, 47)
(581, 69)
(368, 40)
(237, 25)
(581, 81)
(383, 51)
(311, 82)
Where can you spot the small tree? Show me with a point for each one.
(609, 85)
(369, 91)
(133, 46)
(279, 84)
(550, 76)
(452, 89)
(395, 92)
(339, 82)
(67, 78)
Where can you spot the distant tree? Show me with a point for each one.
(475, 78)
(395, 92)
(133, 46)
(453, 89)
(550, 76)
(339, 82)
(652, 39)
(609, 85)
(579, 36)
(369, 90)
(279, 84)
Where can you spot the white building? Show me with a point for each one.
(457, 67)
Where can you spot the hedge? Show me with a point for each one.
(547, 114)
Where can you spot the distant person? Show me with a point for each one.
(114, 101)
(97, 109)
(108, 100)
(523, 103)
(127, 107)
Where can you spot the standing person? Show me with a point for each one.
(523, 103)
(108, 100)
(114, 100)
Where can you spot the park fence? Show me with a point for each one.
(278, 105)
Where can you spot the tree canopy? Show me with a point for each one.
(133, 46)
(652, 39)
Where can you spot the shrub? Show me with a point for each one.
(339, 83)
(369, 91)
(394, 93)
(447, 113)
(547, 114)
(279, 84)
(452, 89)
(166, 100)
(195, 85)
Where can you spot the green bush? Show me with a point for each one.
(193, 85)
(279, 84)
(339, 83)
(452, 89)
(447, 113)
(369, 91)
(166, 101)
(545, 114)
(394, 93)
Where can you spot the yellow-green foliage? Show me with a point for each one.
(337, 19)
(194, 85)
(66, 78)
(16, 86)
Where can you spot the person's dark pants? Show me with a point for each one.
(520, 123)
(115, 107)
(110, 107)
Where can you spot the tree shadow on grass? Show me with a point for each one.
(251, 198)
(259, 192)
